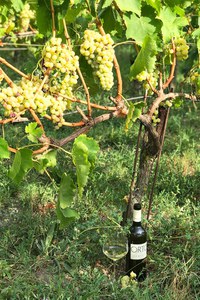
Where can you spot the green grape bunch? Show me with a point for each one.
(195, 80)
(64, 63)
(45, 97)
(22, 96)
(99, 53)
(155, 118)
(181, 49)
(151, 78)
(25, 16)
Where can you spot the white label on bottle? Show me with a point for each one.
(138, 251)
(137, 215)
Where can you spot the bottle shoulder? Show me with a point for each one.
(137, 232)
(137, 228)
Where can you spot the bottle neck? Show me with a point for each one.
(137, 216)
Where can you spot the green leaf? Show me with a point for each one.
(84, 153)
(91, 145)
(61, 10)
(155, 4)
(33, 131)
(146, 58)
(40, 165)
(45, 160)
(49, 237)
(50, 156)
(65, 216)
(67, 191)
(17, 5)
(110, 22)
(43, 16)
(128, 123)
(70, 213)
(80, 159)
(135, 110)
(129, 5)
(21, 164)
(171, 23)
(58, 2)
(107, 3)
(196, 35)
(73, 12)
(64, 222)
(138, 28)
(4, 152)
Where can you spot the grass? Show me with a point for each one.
(38, 261)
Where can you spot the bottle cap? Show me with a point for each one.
(137, 206)
(137, 212)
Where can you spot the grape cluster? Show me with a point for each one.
(45, 97)
(58, 56)
(9, 25)
(152, 78)
(99, 53)
(155, 118)
(25, 95)
(181, 48)
(26, 15)
(195, 80)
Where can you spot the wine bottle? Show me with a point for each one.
(137, 246)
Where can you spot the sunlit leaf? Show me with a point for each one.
(138, 28)
(67, 191)
(33, 131)
(129, 5)
(146, 58)
(4, 152)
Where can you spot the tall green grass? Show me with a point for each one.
(38, 261)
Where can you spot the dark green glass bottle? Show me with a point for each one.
(137, 246)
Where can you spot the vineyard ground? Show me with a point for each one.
(39, 261)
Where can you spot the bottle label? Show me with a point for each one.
(138, 251)
(137, 215)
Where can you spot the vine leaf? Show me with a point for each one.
(17, 5)
(171, 23)
(73, 12)
(4, 152)
(45, 160)
(66, 194)
(130, 5)
(196, 35)
(67, 191)
(143, 26)
(84, 154)
(135, 110)
(113, 24)
(21, 164)
(43, 13)
(70, 213)
(33, 131)
(146, 58)
(155, 4)
(107, 3)
(65, 216)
